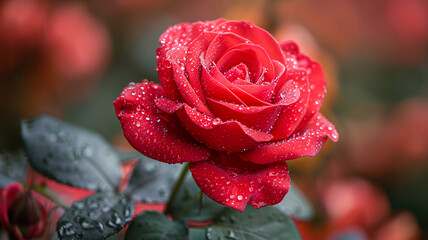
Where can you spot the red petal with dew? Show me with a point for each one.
(260, 118)
(252, 56)
(306, 142)
(215, 77)
(291, 115)
(184, 33)
(316, 80)
(230, 136)
(186, 90)
(155, 134)
(255, 34)
(228, 180)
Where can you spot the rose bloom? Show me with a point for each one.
(21, 213)
(234, 103)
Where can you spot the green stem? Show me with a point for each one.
(176, 188)
(45, 192)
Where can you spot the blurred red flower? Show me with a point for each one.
(21, 213)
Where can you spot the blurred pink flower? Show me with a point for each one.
(77, 43)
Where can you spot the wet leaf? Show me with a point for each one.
(96, 217)
(295, 204)
(69, 154)
(152, 181)
(253, 224)
(196, 233)
(187, 204)
(152, 225)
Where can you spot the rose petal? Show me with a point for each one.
(316, 79)
(306, 142)
(238, 74)
(156, 135)
(216, 76)
(186, 90)
(255, 34)
(291, 115)
(263, 92)
(216, 89)
(229, 136)
(232, 182)
(166, 75)
(183, 33)
(198, 47)
(174, 43)
(317, 87)
(290, 48)
(219, 44)
(288, 94)
(260, 118)
(253, 56)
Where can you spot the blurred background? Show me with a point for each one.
(71, 59)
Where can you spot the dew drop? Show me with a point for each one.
(216, 121)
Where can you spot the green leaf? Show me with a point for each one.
(187, 205)
(152, 225)
(70, 155)
(197, 233)
(296, 205)
(152, 181)
(253, 224)
(98, 216)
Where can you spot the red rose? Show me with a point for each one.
(234, 103)
(21, 213)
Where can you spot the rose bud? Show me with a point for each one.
(234, 103)
(21, 213)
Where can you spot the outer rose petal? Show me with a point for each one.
(175, 41)
(291, 115)
(306, 142)
(316, 79)
(229, 136)
(317, 88)
(232, 182)
(184, 33)
(255, 35)
(155, 135)
(186, 90)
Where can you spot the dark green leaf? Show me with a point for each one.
(151, 225)
(197, 233)
(69, 154)
(152, 180)
(98, 216)
(296, 205)
(187, 204)
(253, 224)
